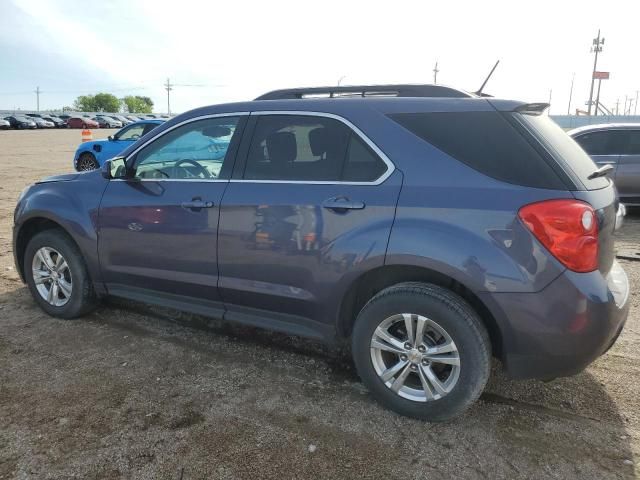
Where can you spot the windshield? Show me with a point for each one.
(564, 149)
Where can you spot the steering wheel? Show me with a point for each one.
(201, 170)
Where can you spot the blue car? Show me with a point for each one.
(91, 155)
(426, 227)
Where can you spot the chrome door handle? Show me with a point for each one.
(196, 204)
(342, 203)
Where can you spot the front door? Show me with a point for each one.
(158, 229)
(311, 209)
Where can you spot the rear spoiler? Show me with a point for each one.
(532, 108)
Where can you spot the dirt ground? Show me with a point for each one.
(139, 392)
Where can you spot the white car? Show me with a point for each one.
(42, 123)
(4, 125)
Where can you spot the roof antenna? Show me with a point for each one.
(479, 92)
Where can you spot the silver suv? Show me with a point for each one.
(617, 145)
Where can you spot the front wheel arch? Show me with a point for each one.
(30, 229)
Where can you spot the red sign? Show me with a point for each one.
(601, 75)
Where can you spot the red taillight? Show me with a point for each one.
(569, 230)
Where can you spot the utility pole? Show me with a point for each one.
(596, 48)
(617, 105)
(571, 93)
(635, 108)
(435, 74)
(626, 101)
(598, 97)
(550, 92)
(340, 80)
(37, 92)
(168, 87)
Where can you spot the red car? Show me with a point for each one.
(82, 122)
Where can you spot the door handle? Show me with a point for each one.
(196, 204)
(342, 203)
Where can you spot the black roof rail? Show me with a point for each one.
(366, 91)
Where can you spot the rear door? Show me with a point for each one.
(628, 172)
(310, 206)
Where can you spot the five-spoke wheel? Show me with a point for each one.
(52, 276)
(415, 357)
(421, 350)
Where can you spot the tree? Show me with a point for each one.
(138, 104)
(100, 102)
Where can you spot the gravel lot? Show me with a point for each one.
(139, 392)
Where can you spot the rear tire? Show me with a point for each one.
(86, 161)
(435, 375)
(57, 275)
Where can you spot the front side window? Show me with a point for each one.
(195, 151)
(132, 133)
(603, 142)
(309, 148)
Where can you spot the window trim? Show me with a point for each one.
(376, 150)
(606, 130)
(171, 128)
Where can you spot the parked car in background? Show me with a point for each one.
(91, 155)
(4, 124)
(58, 122)
(64, 116)
(21, 121)
(616, 145)
(426, 232)
(133, 118)
(125, 121)
(42, 123)
(107, 122)
(82, 122)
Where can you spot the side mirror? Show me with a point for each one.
(114, 168)
(110, 138)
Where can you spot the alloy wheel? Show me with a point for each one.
(415, 357)
(52, 276)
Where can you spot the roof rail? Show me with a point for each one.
(366, 91)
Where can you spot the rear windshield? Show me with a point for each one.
(487, 142)
(565, 149)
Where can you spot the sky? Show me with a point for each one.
(217, 52)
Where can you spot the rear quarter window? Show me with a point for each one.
(486, 142)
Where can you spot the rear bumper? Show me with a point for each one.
(560, 330)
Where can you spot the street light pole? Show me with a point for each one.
(571, 93)
(435, 74)
(37, 92)
(596, 48)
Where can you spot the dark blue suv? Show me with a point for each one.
(427, 228)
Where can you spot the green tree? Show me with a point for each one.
(138, 104)
(100, 102)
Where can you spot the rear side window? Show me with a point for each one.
(633, 147)
(309, 148)
(603, 142)
(564, 149)
(486, 142)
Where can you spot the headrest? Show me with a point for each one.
(318, 141)
(282, 147)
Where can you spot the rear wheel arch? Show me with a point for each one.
(374, 281)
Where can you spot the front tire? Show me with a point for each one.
(86, 161)
(57, 275)
(422, 351)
